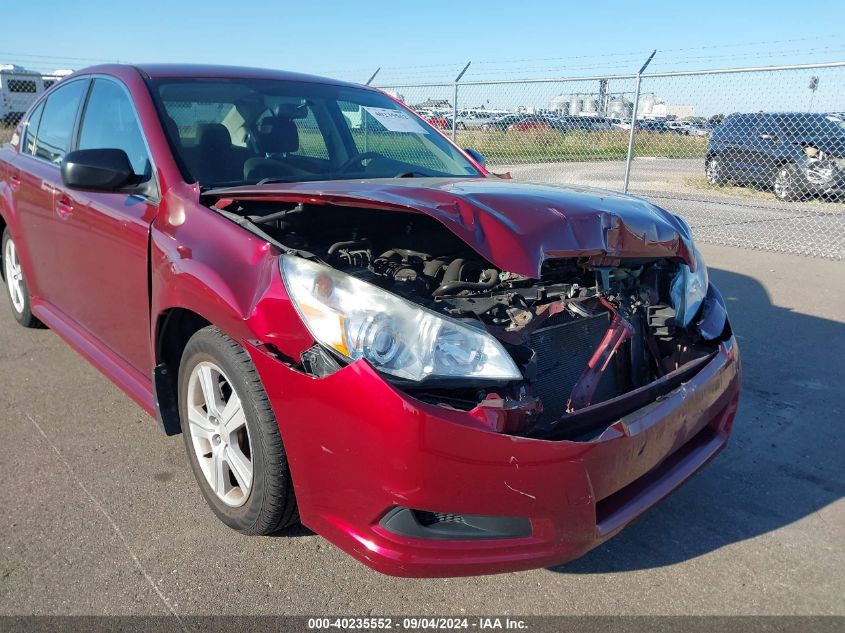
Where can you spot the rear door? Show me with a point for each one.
(46, 138)
(762, 150)
(104, 236)
(735, 146)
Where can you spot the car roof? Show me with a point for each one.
(209, 71)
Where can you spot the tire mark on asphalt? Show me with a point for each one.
(111, 522)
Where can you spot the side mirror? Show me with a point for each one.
(477, 156)
(97, 169)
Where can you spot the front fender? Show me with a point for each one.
(204, 263)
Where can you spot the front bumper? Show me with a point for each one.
(829, 184)
(358, 448)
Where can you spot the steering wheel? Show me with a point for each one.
(358, 158)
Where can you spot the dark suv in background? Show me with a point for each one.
(797, 154)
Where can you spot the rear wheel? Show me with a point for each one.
(16, 286)
(232, 438)
(787, 183)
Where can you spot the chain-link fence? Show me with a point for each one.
(749, 157)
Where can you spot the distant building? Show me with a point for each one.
(680, 111)
(434, 104)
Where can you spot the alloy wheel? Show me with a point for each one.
(714, 170)
(219, 433)
(14, 277)
(783, 184)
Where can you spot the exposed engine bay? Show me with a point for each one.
(581, 335)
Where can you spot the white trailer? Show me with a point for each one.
(19, 88)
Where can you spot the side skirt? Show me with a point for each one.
(133, 383)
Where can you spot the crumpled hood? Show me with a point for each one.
(514, 225)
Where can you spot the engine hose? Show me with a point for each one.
(453, 271)
(347, 244)
(456, 286)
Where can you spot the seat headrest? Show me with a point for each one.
(277, 135)
(214, 136)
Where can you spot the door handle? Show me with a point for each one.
(14, 182)
(63, 208)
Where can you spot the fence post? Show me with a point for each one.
(373, 76)
(455, 104)
(630, 154)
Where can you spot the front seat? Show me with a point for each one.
(216, 160)
(276, 137)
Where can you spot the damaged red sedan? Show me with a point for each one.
(352, 323)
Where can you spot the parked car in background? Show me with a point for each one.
(443, 372)
(503, 122)
(653, 125)
(473, 120)
(797, 154)
(561, 123)
(532, 122)
(697, 130)
(436, 119)
(588, 123)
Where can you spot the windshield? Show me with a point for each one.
(229, 132)
(812, 125)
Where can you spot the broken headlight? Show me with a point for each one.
(359, 320)
(688, 290)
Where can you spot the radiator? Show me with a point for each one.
(563, 351)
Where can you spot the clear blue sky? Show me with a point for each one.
(430, 41)
(427, 40)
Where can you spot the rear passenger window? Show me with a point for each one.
(738, 127)
(56, 129)
(31, 129)
(110, 122)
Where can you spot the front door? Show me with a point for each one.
(104, 236)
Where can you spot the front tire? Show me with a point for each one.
(16, 286)
(715, 171)
(232, 438)
(787, 183)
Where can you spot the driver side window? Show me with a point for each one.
(110, 122)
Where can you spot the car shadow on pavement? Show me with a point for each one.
(294, 531)
(784, 459)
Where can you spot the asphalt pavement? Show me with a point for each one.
(101, 515)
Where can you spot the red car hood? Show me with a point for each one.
(514, 225)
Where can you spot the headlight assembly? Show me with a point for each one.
(689, 289)
(359, 320)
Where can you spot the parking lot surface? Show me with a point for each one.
(101, 515)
